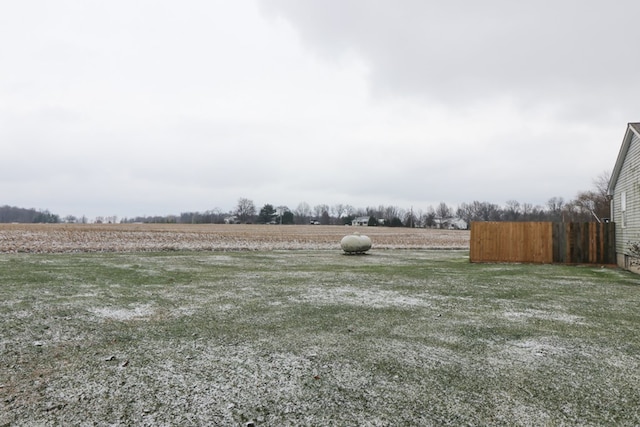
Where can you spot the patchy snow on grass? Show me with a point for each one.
(541, 314)
(22, 314)
(185, 310)
(183, 339)
(624, 361)
(137, 312)
(376, 298)
(531, 352)
(228, 384)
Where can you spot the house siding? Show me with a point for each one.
(628, 183)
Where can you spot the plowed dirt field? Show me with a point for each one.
(61, 238)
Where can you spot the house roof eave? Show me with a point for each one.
(632, 128)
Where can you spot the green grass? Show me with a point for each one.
(315, 338)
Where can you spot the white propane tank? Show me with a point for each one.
(355, 243)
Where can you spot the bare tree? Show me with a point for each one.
(338, 210)
(479, 211)
(419, 217)
(591, 205)
(512, 211)
(325, 218)
(349, 210)
(391, 212)
(443, 214)
(280, 211)
(464, 211)
(555, 205)
(320, 209)
(603, 201)
(245, 210)
(601, 183)
(70, 219)
(429, 219)
(302, 212)
(410, 219)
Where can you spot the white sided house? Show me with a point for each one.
(361, 220)
(624, 191)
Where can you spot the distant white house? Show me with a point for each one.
(231, 220)
(458, 224)
(451, 223)
(361, 220)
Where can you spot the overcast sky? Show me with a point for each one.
(159, 107)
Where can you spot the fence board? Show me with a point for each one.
(543, 242)
(559, 237)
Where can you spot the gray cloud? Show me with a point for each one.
(160, 107)
(562, 54)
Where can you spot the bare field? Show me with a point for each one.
(62, 238)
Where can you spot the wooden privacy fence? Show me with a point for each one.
(543, 242)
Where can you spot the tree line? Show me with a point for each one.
(24, 215)
(587, 206)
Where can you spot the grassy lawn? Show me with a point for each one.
(396, 337)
